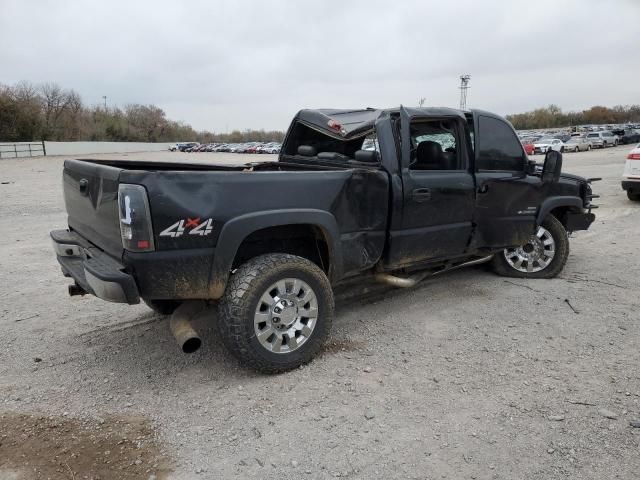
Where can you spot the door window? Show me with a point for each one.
(434, 145)
(498, 146)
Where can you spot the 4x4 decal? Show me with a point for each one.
(197, 228)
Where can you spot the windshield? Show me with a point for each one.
(546, 140)
(592, 135)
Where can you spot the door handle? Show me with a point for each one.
(421, 194)
(484, 188)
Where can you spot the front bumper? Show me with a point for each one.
(633, 185)
(94, 271)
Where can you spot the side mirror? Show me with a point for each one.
(366, 156)
(552, 167)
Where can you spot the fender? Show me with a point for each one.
(555, 202)
(237, 229)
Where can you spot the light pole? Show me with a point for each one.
(464, 86)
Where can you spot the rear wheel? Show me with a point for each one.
(276, 312)
(543, 256)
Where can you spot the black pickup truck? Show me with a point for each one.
(265, 244)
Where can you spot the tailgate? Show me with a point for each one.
(91, 199)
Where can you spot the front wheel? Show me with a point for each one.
(276, 312)
(543, 256)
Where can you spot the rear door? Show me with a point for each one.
(507, 197)
(438, 190)
(91, 199)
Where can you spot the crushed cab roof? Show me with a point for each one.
(347, 124)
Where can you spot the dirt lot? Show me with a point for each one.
(467, 376)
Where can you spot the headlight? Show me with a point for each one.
(135, 218)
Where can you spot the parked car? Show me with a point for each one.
(271, 148)
(627, 136)
(179, 146)
(547, 144)
(563, 137)
(184, 147)
(577, 144)
(602, 139)
(529, 149)
(631, 175)
(269, 243)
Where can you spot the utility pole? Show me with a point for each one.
(421, 102)
(464, 86)
(104, 97)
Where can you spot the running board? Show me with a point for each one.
(408, 282)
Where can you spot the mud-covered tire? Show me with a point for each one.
(238, 310)
(633, 196)
(502, 267)
(163, 307)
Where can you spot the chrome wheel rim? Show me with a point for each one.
(286, 315)
(533, 256)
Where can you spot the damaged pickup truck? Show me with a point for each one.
(266, 244)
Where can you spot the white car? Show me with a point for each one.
(548, 143)
(631, 175)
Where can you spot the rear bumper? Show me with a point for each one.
(93, 270)
(631, 185)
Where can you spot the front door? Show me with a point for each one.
(438, 190)
(507, 197)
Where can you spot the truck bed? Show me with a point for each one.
(354, 199)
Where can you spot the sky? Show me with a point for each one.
(223, 65)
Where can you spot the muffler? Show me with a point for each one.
(180, 325)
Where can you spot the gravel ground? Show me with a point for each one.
(467, 376)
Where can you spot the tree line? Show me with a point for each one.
(49, 112)
(553, 116)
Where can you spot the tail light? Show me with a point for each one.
(135, 218)
(633, 156)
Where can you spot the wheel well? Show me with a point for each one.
(561, 213)
(307, 241)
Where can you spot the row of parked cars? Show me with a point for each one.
(249, 147)
(579, 141)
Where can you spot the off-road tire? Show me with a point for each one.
(633, 196)
(561, 239)
(163, 307)
(237, 307)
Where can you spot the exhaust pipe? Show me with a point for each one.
(180, 325)
(76, 289)
(400, 282)
(411, 281)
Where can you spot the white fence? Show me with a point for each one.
(83, 148)
(35, 149)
